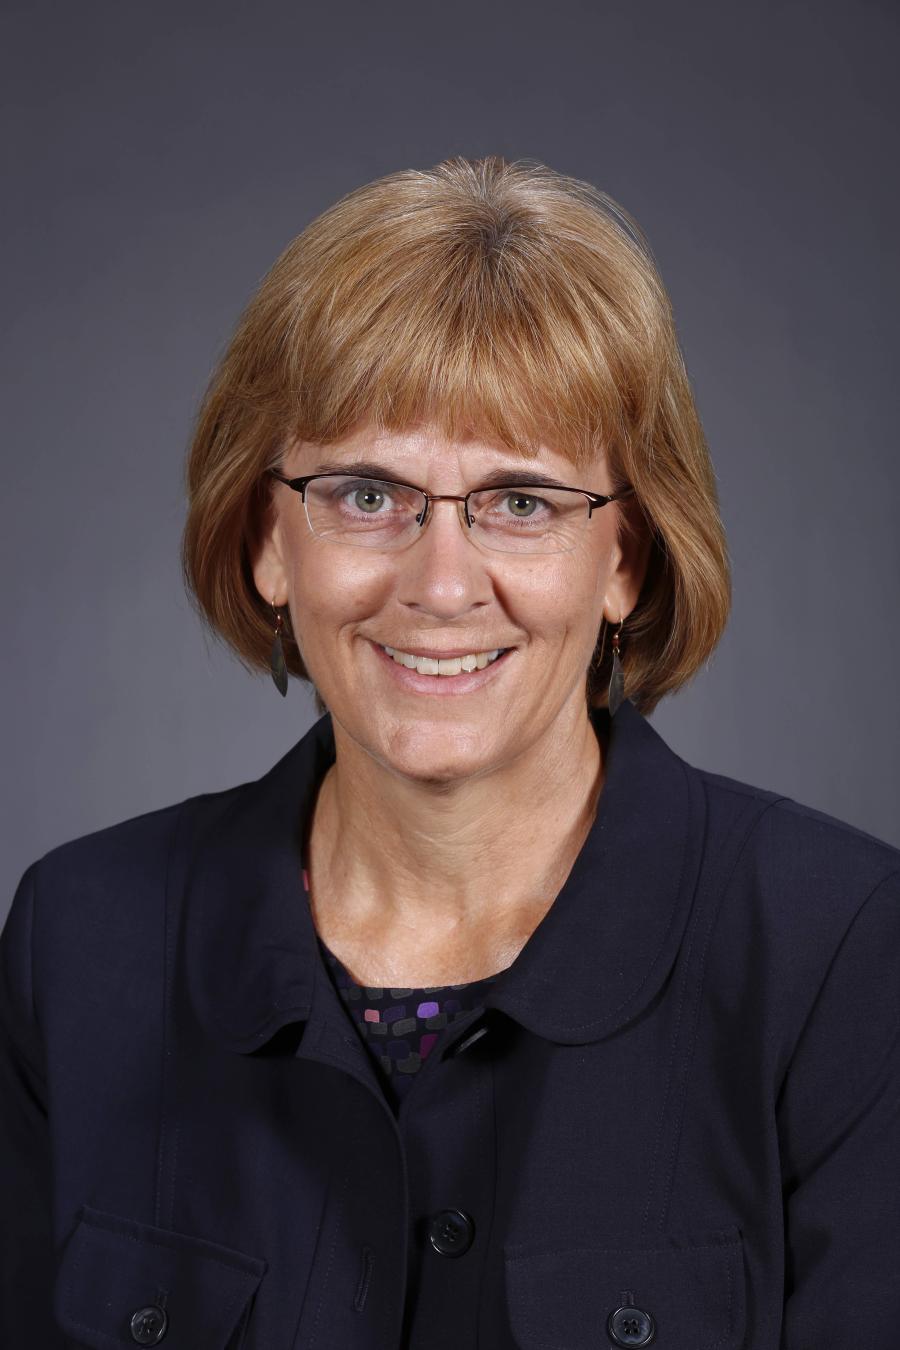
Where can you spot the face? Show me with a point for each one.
(443, 594)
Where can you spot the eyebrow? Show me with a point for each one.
(365, 468)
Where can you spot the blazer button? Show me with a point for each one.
(451, 1232)
(148, 1325)
(629, 1325)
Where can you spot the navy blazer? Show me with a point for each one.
(674, 1120)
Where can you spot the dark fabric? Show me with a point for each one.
(676, 1113)
(398, 1026)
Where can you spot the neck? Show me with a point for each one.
(485, 855)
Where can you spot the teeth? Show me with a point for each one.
(427, 665)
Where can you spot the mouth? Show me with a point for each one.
(443, 675)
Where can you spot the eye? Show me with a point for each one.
(365, 495)
(521, 505)
(369, 498)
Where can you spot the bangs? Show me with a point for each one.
(482, 321)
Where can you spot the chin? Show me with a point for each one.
(434, 751)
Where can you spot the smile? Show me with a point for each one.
(431, 676)
(455, 665)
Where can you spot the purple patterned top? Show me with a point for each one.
(399, 1026)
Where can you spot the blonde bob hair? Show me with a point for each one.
(485, 296)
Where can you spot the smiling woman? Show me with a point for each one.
(482, 1019)
(502, 300)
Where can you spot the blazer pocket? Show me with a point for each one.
(675, 1292)
(123, 1283)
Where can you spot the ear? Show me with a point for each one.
(630, 559)
(267, 558)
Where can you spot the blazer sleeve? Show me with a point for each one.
(839, 1127)
(27, 1263)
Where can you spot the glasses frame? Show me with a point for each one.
(595, 499)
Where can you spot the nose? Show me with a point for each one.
(443, 572)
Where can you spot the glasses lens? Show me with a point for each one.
(523, 520)
(367, 511)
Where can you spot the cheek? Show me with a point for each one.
(560, 599)
(328, 594)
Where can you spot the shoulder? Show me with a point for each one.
(94, 909)
(109, 882)
(793, 839)
(801, 884)
(807, 928)
(129, 849)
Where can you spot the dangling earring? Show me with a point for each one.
(279, 669)
(616, 679)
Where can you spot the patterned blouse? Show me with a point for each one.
(399, 1026)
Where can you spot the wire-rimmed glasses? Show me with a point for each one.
(384, 513)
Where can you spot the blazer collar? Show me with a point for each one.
(597, 958)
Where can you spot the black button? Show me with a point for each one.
(630, 1326)
(148, 1325)
(451, 1232)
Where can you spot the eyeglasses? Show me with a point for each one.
(386, 514)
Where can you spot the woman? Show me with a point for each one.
(482, 1018)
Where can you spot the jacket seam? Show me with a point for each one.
(816, 1000)
(839, 946)
(674, 1150)
(162, 1206)
(713, 781)
(31, 984)
(639, 1249)
(806, 809)
(37, 1055)
(689, 936)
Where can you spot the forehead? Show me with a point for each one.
(424, 453)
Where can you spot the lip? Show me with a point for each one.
(440, 656)
(440, 686)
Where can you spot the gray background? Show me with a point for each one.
(159, 157)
